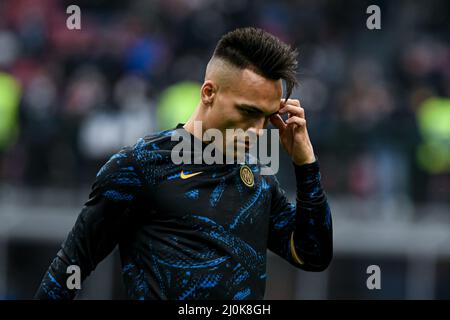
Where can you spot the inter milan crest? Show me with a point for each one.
(247, 176)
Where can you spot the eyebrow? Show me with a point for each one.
(255, 109)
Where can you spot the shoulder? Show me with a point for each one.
(133, 158)
(152, 155)
(153, 149)
(131, 170)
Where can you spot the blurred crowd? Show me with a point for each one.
(377, 101)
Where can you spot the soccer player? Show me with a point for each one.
(198, 231)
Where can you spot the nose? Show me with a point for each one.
(257, 127)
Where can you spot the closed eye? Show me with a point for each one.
(249, 111)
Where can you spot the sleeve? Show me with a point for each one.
(115, 196)
(302, 233)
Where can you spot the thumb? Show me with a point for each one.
(278, 122)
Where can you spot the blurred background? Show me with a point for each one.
(378, 112)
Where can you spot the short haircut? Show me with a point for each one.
(260, 52)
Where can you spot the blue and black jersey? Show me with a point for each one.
(192, 231)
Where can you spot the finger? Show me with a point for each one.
(294, 102)
(278, 122)
(293, 110)
(296, 120)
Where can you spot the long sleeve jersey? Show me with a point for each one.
(192, 231)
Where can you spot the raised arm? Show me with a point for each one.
(302, 233)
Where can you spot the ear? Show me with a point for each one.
(208, 92)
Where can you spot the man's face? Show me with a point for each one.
(244, 103)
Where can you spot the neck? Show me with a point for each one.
(198, 115)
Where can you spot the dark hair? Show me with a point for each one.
(261, 52)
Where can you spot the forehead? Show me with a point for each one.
(252, 88)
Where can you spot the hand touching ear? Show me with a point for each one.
(293, 133)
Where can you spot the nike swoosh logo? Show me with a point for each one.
(190, 175)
